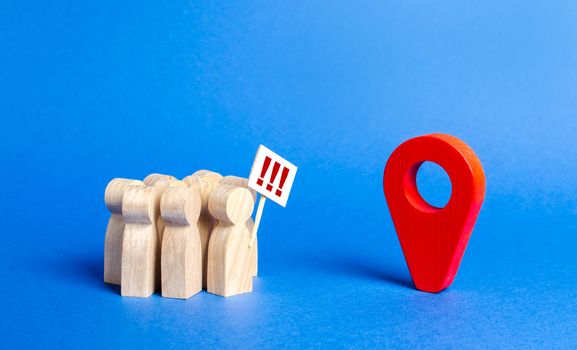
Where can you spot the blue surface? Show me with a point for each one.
(92, 90)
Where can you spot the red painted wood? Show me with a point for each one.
(434, 239)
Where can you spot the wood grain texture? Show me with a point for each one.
(140, 208)
(160, 222)
(161, 182)
(154, 178)
(113, 196)
(230, 267)
(206, 181)
(181, 249)
(434, 239)
(242, 182)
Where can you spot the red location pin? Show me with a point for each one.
(434, 239)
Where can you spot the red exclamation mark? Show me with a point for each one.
(283, 177)
(263, 171)
(275, 169)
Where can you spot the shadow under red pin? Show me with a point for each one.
(434, 239)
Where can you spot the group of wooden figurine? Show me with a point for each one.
(180, 236)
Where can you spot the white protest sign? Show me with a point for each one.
(272, 176)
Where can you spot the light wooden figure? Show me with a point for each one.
(206, 181)
(153, 178)
(115, 229)
(162, 182)
(140, 208)
(242, 182)
(229, 257)
(161, 222)
(181, 247)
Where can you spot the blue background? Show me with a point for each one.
(92, 90)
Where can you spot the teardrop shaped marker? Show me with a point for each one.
(434, 239)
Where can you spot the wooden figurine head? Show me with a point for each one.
(140, 204)
(238, 181)
(115, 192)
(231, 204)
(180, 206)
(152, 179)
(206, 181)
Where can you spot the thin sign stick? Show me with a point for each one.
(272, 176)
(259, 210)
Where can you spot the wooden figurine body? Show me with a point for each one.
(161, 222)
(230, 268)
(242, 182)
(140, 207)
(181, 249)
(161, 182)
(115, 229)
(206, 181)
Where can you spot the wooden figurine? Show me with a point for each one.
(161, 222)
(115, 229)
(181, 248)
(206, 181)
(153, 178)
(434, 239)
(242, 182)
(140, 208)
(161, 182)
(230, 269)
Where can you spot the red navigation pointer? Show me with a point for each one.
(434, 239)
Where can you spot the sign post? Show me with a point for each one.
(272, 177)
